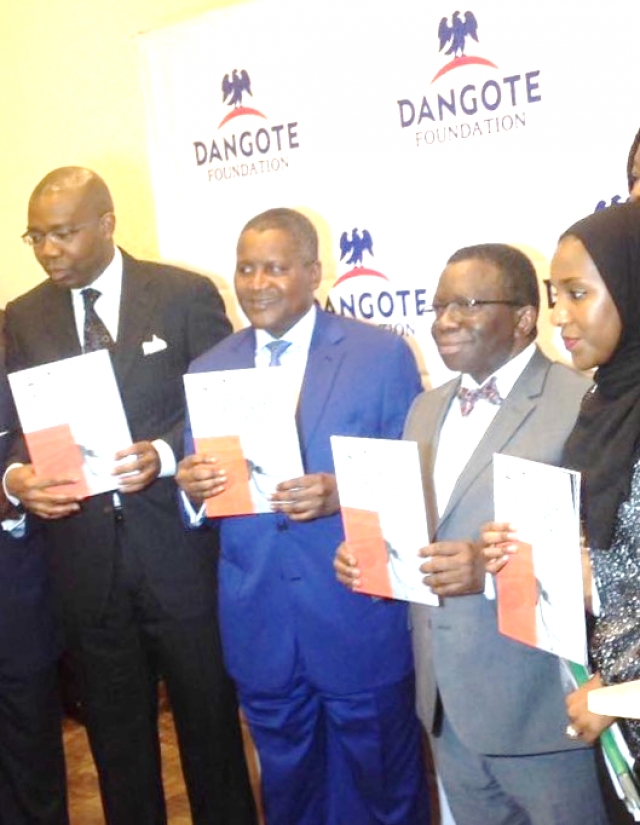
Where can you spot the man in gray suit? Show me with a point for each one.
(495, 708)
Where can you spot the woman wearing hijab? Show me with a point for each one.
(595, 275)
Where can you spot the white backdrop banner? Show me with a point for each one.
(404, 130)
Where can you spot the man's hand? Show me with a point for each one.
(308, 497)
(141, 471)
(37, 496)
(346, 567)
(200, 477)
(498, 541)
(453, 568)
(586, 726)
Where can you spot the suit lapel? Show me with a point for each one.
(428, 449)
(511, 417)
(319, 384)
(137, 309)
(60, 324)
(242, 350)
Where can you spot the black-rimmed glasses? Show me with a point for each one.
(466, 307)
(60, 236)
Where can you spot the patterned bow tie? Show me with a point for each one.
(468, 398)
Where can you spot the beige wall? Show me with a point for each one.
(70, 94)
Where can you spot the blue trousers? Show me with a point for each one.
(331, 759)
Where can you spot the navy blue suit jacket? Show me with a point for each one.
(28, 639)
(281, 607)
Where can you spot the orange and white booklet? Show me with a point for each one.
(73, 421)
(384, 514)
(539, 591)
(246, 419)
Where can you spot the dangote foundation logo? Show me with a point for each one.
(243, 147)
(454, 36)
(363, 292)
(232, 90)
(477, 105)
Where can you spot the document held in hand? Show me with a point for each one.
(73, 421)
(246, 419)
(540, 591)
(384, 515)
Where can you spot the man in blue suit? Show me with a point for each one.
(32, 775)
(324, 675)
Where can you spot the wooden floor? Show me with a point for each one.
(84, 796)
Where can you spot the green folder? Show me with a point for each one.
(612, 752)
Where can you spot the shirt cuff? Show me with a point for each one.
(489, 587)
(168, 464)
(195, 517)
(11, 499)
(16, 527)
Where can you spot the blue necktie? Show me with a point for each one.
(276, 348)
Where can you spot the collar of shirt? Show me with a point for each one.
(459, 437)
(109, 283)
(299, 336)
(506, 376)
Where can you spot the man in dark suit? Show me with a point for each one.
(495, 707)
(324, 676)
(135, 590)
(32, 774)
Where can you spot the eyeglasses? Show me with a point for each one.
(552, 295)
(466, 307)
(60, 236)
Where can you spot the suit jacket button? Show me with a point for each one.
(282, 524)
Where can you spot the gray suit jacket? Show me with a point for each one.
(500, 696)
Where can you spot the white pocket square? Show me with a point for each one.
(154, 345)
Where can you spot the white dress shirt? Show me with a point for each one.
(107, 306)
(459, 436)
(299, 336)
(293, 358)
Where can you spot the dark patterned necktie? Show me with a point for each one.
(96, 335)
(276, 348)
(489, 392)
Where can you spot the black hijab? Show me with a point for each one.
(605, 442)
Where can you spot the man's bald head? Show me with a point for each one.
(71, 225)
(66, 178)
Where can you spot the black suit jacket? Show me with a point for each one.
(28, 640)
(185, 311)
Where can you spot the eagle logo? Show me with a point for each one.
(357, 245)
(233, 88)
(454, 35)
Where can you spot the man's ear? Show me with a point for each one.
(108, 224)
(316, 274)
(527, 320)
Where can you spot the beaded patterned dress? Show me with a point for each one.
(615, 644)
